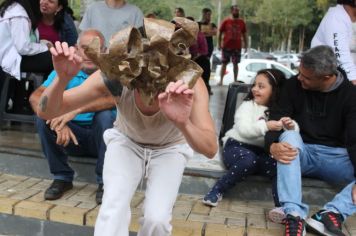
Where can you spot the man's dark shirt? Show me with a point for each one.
(203, 26)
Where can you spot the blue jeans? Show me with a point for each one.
(330, 164)
(91, 143)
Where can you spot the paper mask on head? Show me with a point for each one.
(149, 64)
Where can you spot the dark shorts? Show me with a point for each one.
(234, 54)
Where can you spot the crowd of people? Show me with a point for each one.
(285, 129)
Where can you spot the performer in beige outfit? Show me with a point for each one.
(148, 140)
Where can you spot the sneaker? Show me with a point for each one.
(99, 194)
(57, 189)
(212, 198)
(295, 226)
(277, 215)
(326, 223)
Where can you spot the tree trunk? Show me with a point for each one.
(301, 39)
(289, 40)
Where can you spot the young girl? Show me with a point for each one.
(243, 152)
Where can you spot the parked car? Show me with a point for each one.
(248, 69)
(289, 60)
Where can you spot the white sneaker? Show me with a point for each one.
(277, 215)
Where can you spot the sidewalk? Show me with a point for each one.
(23, 196)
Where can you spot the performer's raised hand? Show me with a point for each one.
(65, 60)
(176, 102)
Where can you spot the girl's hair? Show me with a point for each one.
(59, 17)
(276, 79)
(26, 4)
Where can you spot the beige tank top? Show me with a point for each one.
(154, 131)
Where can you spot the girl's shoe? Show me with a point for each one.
(212, 198)
(277, 215)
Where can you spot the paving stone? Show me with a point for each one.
(24, 194)
(272, 225)
(25, 184)
(32, 209)
(200, 208)
(87, 190)
(197, 226)
(223, 230)
(264, 232)
(189, 197)
(181, 212)
(5, 193)
(9, 184)
(38, 197)
(17, 178)
(177, 231)
(256, 221)
(226, 214)
(224, 205)
(87, 205)
(208, 219)
(351, 223)
(7, 205)
(236, 223)
(69, 215)
(63, 202)
(263, 204)
(42, 185)
(91, 216)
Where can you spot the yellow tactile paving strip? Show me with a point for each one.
(23, 196)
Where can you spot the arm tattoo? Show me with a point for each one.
(43, 103)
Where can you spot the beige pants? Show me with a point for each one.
(126, 163)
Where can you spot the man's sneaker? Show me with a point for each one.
(326, 223)
(57, 189)
(212, 198)
(277, 215)
(99, 194)
(295, 226)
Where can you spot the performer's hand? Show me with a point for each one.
(287, 123)
(64, 136)
(353, 82)
(283, 152)
(65, 60)
(354, 194)
(176, 102)
(59, 122)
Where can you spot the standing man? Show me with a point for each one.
(337, 30)
(233, 30)
(79, 132)
(111, 16)
(322, 101)
(209, 29)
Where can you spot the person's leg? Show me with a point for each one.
(102, 121)
(235, 58)
(204, 63)
(121, 174)
(225, 59)
(240, 162)
(165, 171)
(289, 178)
(55, 155)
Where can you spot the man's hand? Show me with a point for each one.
(353, 82)
(354, 194)
(283, 152)
(176, 102)
(65, 60)
(65, 135)
(59, 122)
(287, 123)
(274, 125)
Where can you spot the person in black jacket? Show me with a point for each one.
(323, 102)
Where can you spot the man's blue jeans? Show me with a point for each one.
(330, 164)
(91, 143)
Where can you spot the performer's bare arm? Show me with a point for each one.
(54, 100)
(189, 110)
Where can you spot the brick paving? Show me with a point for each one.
(23, 196)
